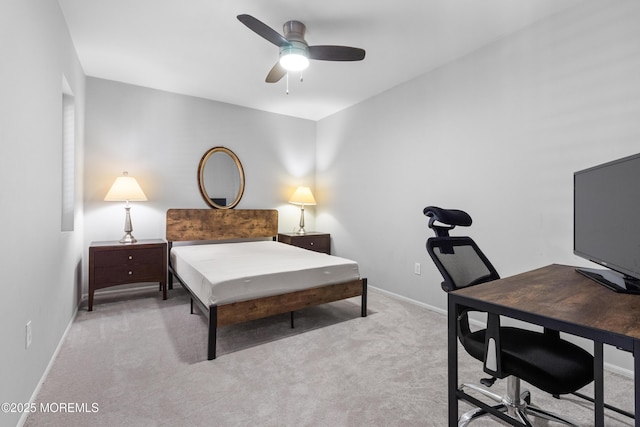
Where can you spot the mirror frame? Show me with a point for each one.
(201, 184)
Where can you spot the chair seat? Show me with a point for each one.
(546, 362)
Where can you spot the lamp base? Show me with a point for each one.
(128, 238)
(301, 229)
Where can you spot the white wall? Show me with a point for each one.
(160, 137)
(40, 263)
(498, 133)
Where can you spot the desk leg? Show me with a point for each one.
(452, 350)
(636, 379)
(598, 384)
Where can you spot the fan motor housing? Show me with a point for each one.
(295, 48)
(294, 31)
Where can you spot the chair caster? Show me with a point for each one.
(488, 382)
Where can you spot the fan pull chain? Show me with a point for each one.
(287, 79)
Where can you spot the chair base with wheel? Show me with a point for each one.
(515, 403)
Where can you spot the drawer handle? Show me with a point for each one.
(311, 243)
(130, 256)
(130, 273)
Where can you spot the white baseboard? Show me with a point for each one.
(618, 370)
(121, 289)
(83, 299)
(410, 300)
(24, 416)
(607, 366)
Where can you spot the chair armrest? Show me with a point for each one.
(493, 350)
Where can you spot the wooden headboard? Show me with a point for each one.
(220, 224)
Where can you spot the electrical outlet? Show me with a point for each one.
(416, 268)
(27, 332)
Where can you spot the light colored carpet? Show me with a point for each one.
(142, 362)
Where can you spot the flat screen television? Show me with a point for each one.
(606, 222)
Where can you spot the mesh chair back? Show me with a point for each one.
(460, 262)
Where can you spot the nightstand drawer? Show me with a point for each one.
(128, 257)
(120, 274)
(318, 244)
(313, 241)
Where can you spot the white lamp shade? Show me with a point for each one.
(302, 196)
(125, 189)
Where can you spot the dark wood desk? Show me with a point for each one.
(559, 298)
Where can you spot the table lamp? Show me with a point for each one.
(126, 189)
(302, 196)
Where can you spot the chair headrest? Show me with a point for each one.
(448, 218)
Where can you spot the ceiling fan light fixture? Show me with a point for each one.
(295, 53)
(294, 57)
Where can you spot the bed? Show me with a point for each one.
(235, 271)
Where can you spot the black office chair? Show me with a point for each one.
(542, 359)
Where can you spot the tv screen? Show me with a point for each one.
(606, 222)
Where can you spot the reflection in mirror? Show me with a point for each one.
(221, 178)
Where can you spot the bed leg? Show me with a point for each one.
(292, 326)
(213, 329)
(364, 298)
(191, 305)
(169, 267)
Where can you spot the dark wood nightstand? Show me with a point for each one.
(113, 263)
(314, 241)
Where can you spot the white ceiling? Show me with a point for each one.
(199, 48)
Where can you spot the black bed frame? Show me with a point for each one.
(211, 312)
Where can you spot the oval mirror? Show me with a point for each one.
(221, 178)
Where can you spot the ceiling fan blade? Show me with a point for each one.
(263, 30)
(336, 53)
(276, 73)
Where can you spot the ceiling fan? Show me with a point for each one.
(295, 53)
